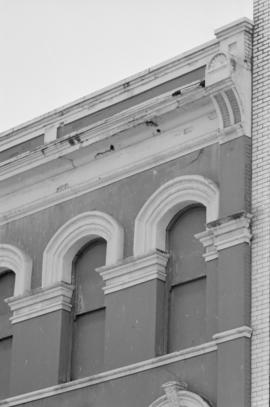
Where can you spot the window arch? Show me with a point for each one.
(87, 241)
(72, 236)
(12, 258)
(155, 215)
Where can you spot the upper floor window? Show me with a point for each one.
(186, 280)
(7, 282)
(87, 355)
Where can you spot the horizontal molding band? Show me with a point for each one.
(41, 202)
(231, 334)
(124, 371)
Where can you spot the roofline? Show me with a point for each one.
(53, 114)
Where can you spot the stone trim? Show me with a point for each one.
(118, 373)
(177, 395)
(155, 215)
(81, 229)
(41, 302)
(20, 263)
(225, 233)
(231, 334)
(134, 271)
(85, 180)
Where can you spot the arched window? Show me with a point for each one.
(186, 279)
(88, 311)
(15, 279)
(7, 283)
(85, 242)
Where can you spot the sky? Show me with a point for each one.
(56, 51)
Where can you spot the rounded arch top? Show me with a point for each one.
(184, 398)
(72, 236)
(176, 394)
(14, 259)
(155, 215)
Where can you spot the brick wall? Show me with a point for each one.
(261, 204)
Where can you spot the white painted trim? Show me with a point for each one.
(138, 83)
(20, 263)
(124, 371)
(207, 240)
(83, 180)
(134, 271)
(98, 131)
(229, 233)
(61, 249)
(41, 302)
(155, 215)
(177, 396)
(119, 91)
(232, 334)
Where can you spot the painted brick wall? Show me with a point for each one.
(261, 204)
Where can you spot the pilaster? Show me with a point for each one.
(41, 338)
(134, 299)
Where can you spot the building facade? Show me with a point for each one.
(125, 241)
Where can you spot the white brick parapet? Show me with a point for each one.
(133, 271)
(225, 233)
(43, 301)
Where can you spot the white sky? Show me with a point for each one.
(55, 51)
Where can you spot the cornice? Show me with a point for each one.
(133, 271)
(203, 349)
(124, 89)
(225, 233)
(41, 302)
(129, 86)
(100, 130)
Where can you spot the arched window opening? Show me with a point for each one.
(87, 356)
(186, 280)
(7, 283)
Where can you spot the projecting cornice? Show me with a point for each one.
(66, 167)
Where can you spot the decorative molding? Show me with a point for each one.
(231, 334)
(134, 271)
(207, 240)
(225, 233)
(20, 263)
(155, 215)
(87, 179)
(41, 302)
(115, 93)
(100, 130)
(220, 67)
(74, 234)
(127, 87)
(176, 395)
(124, 371)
